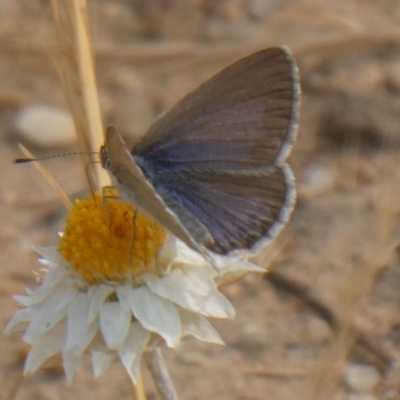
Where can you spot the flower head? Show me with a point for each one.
(106, 240)
(116, 282)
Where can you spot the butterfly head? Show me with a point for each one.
(104, 158)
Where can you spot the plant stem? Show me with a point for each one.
(159, 373)
(138, 392)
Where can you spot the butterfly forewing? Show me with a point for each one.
(243, 117)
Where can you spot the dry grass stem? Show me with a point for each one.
(76, 70)
(283, 373)
(53, 183)
(138, 392)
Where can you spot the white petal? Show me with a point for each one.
(47, 315)
(156, 314)
(47, 345)
(97, 300)
(132, 349)
(216, 305)
(225, 264)
(123, 294)
(77, 320)
(54, 274)
(50, 284)
(50, 253)
(114, 323)
(101, 361)
(72, 355)
(187, 288)
(29, 291)
(196, 325)
(232, 266)
(168, 251)
(20, 317)
(23, 300)
(187, 255)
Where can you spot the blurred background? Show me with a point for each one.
(324, 323)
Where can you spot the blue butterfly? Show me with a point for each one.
(212, 169)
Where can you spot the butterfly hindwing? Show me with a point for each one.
(238, 211)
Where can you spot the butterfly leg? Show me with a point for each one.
(107, 193)
(132, 240)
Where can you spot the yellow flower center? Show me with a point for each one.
(106, 240)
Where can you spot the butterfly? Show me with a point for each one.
(212, 169)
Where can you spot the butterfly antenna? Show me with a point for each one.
(23, 160)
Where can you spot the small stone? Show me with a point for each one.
(316, 179)
(45, 126)
(361, 378)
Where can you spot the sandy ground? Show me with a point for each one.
(330, 305)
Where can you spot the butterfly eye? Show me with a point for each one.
(104, 158)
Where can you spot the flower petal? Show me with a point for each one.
(48, 314)
(114, 323)
(196, 325)
(77, 320)
(71, 355)
(20, 317)
(156, 314)
(123, 294)
(47, 345)
(101, 360)
(231, 264)
(132, 349)
(23, 300)
(216, 305)
(50, 284)
(186, 288)
(194, 290)
(97, 300)
(168, 251)
(188, 256)
(50, 254)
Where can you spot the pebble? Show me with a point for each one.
(316, 179)
(361, 378)
(45, 126)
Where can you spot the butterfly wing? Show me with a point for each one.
(217, 158)
(237, 210)
(244, 117)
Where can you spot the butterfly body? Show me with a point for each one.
(212, 169)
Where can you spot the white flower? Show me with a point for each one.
(112, 320)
